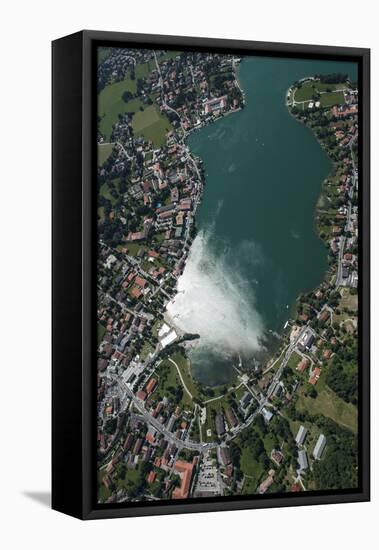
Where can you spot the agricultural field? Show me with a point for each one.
(152, 125)
(110, 104)
(327, 403)
(142, 70)
(148, 122)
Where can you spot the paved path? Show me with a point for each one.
(181, 377)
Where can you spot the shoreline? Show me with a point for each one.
(333, 167)
(195, 160)
(274, 345)
(281, 336)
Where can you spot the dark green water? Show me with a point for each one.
(263, 178)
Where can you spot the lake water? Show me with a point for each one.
(257, 248)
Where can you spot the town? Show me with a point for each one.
(277, 427)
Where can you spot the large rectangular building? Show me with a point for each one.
(220, 424)
(319, 447)
(300, 437)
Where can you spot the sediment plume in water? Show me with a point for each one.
(215, 301)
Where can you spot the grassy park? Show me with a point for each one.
(305, 92)
(328, 94)
(168, 382)
(184, 368)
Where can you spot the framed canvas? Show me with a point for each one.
(210, 275)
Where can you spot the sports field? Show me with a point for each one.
(328, 95)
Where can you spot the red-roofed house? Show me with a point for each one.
(184, 469)
(136, 292)
(302, 365)
(314, 376)
(151, 477)
(150, 438)
(151, 385)
(140, 281)
(141, 395)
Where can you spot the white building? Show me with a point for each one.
(166, 335)
(319, 447)
(165, 329)
(300, 437)
(267, 415)
(169, 338)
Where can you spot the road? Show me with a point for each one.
(181, 377)
(163, 100)
(271, 388)
(128, 393)
(234, 69)
(151, 420)
(182, 140)
(191, 445)
(339, 278)
(124, 150)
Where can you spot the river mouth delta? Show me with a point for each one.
(227, 275)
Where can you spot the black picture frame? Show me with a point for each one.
(74, 274)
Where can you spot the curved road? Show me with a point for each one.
(150, 419)
(181, 377)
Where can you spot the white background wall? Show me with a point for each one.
(26, 31)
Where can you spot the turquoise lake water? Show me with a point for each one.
(264, 171)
